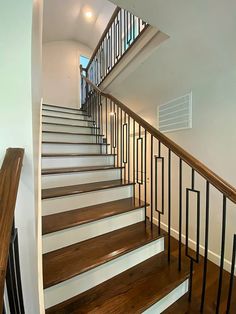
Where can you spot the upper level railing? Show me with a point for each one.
(174, 183)
(120, 34)
(10, 282)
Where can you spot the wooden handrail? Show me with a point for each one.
(9, 182)
(228, 190)
(115, 13)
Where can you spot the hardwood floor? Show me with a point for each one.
(183, 306)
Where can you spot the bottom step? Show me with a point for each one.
(149, 287)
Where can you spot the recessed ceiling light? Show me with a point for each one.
(88, 14)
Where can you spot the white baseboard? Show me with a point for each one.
(213, 257)
(169, 299)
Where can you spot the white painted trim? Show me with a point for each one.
(213, 257)
(169, 299)
(39, 220)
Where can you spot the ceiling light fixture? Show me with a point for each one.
(88, 14)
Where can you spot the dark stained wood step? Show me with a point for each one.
(83, 188)
(78, 258)
(78, 169)
(72, 133)
(130, 292)
(75, 155)
(76, 126)
(55, 106)
(76, 217)
(59, 111)
(74, 119)
(73, 143)
(184, 306)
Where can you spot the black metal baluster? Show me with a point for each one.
(18, 272)
(180, 213)
(160, 212)
(121, 139)
(106, 128)
(222, 256)
(97, 115)
(231, 283)
(128, 131)
(139, 169)
(134, 154)
(169, 203)
(118, 133)
(111, 128)
(125, 146)
(145, 173)
(111, 50)
(120, 35)
(192, 258)
(13, 278)
(206, 248)
(151, 183)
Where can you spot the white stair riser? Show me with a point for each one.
(65, 203)
(71, 110)
(62, 162)
(169, 299)
(67, 121)
(65, 128)
(57, 240)
(51, 148)
(55, 180)
(64, 115)
(75, 138)
(89, 279)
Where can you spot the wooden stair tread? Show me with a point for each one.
(132, 291)
(78, 258)
(75, 155)
(59, 111)
(73, 143)
(55, 106)
(76, 217)
(74, 119)
(71, 133)
(72, 125)
(83, 188)
(78, 169)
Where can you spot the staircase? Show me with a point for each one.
(101, 254)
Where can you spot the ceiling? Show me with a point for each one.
(66, 20)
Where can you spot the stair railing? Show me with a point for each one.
(121, 33)
(169, 179)
(11, 297)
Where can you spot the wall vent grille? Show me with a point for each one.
(176, 114)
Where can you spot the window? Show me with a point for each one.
(84, 61)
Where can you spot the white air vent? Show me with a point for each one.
(176, 114)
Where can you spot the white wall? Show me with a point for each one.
(199, 56)
(61, 79)
(16, 119)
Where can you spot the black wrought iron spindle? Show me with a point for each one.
(180, 213)
(232, 277)
(206, 247)
(222, 256)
